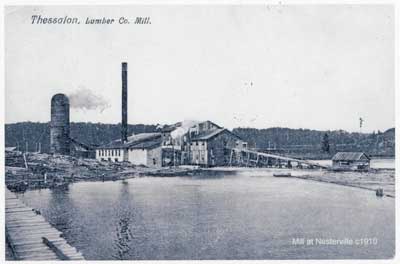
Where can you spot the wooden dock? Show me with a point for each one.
(31, 237)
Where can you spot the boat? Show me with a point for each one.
(287, 174)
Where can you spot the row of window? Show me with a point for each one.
(109, 152)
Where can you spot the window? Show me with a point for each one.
(197, 143)
(116, 159)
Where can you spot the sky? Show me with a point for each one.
(298, 66)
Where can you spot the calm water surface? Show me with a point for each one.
(252, 215)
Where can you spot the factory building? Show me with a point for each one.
(198, 143)
(202, 143)
(184, 143)
(211, 148)
(141, 149)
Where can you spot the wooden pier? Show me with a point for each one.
(31, 237)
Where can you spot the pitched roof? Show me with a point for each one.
(134, 140)
(210, 134)
(170, 128)
(148, 144)
(142, 136)
(113, 144)
(212, 123)
(350, 156)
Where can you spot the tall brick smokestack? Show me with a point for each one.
(124, 124)
(59, 125)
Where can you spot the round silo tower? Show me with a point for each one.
(59, 125)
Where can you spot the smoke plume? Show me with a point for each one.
(85, 99)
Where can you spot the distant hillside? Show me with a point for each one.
(20, 134)
(308, 143)
(303, 143)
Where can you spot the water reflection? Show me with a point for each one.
(230, 217)
(123, 231)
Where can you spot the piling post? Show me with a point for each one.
(230, 160)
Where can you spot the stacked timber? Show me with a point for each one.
(14, 159)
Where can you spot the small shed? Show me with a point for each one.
(350, 161)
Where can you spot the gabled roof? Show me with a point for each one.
(170, 128)
(142, 137)
(148, 144)
(210, 134)
(187, 124)
(350, 156)
(112, 145)
(208, 121)
(133, 141)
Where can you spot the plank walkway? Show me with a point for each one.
(31, 237)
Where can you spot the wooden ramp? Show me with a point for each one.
(31, 237)
(245, 154)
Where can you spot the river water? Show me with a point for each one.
(249, 215)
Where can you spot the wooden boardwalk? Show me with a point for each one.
(31, 237)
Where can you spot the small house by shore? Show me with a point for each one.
(350, 161)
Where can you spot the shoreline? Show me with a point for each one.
(340, 183)
(322, 177)
(35, 168)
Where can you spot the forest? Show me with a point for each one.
(302, 143)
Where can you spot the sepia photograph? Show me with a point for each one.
(199, 132)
